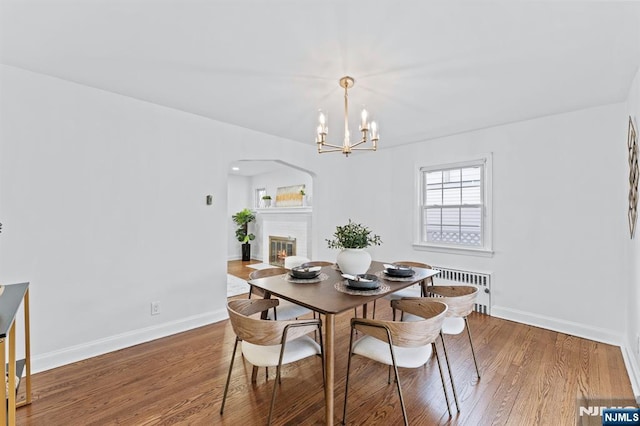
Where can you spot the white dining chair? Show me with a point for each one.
(293, 261)
(416, 290)
(399, 344)
(285, 310)
(270, 343)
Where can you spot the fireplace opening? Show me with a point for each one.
(279, 248)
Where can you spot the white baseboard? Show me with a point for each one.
(598, 334)
(72, 354)
(632, 363)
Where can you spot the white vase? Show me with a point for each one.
(354, 261)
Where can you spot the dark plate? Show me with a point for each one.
(303, 273)
(400, 271)
(364, 285)
(363, 289)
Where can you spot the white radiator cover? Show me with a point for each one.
(448, 276)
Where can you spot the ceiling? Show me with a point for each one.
(423, 69)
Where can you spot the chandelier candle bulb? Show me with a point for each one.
(363, 126)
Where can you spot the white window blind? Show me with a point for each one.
(452, 205)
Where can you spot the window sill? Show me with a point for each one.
(469, 251)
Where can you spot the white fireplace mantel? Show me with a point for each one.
(291, 222)
(284, 210)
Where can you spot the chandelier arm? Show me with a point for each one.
(330, 150)
(368, 148)
(333, 146)
(359, 143)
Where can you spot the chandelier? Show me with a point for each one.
(347, 147)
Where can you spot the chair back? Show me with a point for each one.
(268, 272)
(459, 298)
(413, 264)
(427, 281)
(259, 331)
(317, 263)
(263, 273)
(408, 334)
(293, 261)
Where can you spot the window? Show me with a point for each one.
(453, 206)
(260, 192)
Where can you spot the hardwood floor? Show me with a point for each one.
(529, 376)
(240, 268)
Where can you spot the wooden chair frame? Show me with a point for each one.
(263, 273)
(423, 284)
(265, 332)
(460, 299)
(403, 334)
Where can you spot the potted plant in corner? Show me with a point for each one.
(353, 238)
(266, 200)
(242, 219)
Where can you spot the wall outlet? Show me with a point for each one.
(155, 308)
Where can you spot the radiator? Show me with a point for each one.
(449, 276)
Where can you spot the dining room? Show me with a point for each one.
(118, 188)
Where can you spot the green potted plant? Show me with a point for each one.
(242, 219)
(353, 238)
(266, 199)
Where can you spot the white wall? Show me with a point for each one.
(559, 215)
(102, 198)
(632, 249)
(239, 198)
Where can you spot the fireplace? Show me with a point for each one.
(289, 224)
(279, 248)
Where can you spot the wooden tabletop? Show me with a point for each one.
(324, 298)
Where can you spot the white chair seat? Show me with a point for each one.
(287, 310)
(453, 325)
(268, 356)
(378, 350)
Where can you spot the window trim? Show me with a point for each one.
(486, 249)
(258, 197)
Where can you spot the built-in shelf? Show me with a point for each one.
(284, 210)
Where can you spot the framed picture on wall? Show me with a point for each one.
(290, 196)
(633, 176)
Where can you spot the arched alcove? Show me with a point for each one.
(246, 178)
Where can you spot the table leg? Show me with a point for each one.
(3, 362)
(329, 354)
(12, 375)
(27, 347)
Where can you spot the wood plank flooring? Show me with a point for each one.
(530, 376)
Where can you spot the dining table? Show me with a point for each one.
(330, 295)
